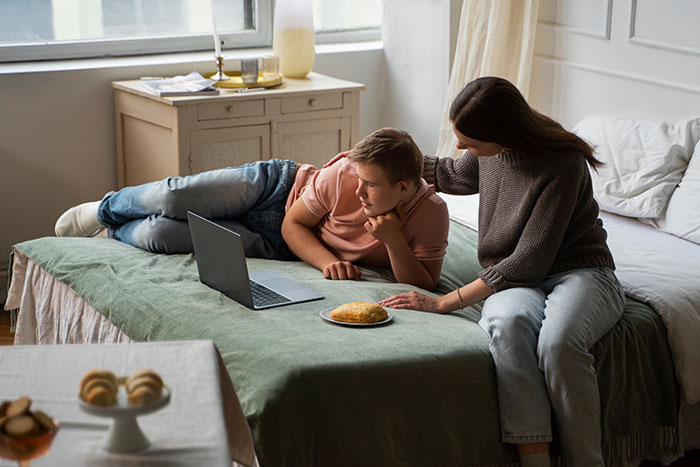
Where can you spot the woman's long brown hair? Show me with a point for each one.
(492, 110)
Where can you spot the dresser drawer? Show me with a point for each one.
(310, 102)
(223, 110)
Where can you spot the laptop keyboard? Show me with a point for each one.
(263, 296)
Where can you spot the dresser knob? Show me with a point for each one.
(229, 109)
(312, 102)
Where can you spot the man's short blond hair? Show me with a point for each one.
(394, 151)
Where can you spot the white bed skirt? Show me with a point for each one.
(39, 298)
(51, 313)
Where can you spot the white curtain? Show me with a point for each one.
(495, 38)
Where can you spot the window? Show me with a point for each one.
(347, 19)
(56, 29)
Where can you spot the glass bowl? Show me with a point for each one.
(22, 450)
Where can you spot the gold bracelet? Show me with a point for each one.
(459, 297)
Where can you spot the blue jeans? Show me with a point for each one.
(249, 200)
(540, 341)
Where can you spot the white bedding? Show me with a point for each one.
(654, 267)
(663, 271)
(463, 209)
(643, 161)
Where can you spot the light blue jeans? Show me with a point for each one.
(249, 199)
(540, 341)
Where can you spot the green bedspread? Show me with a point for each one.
(419, 391)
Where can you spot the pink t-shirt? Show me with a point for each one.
(330, 193)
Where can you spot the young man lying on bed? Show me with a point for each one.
(367, 206)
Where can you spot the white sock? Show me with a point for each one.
(79, 221)
(540, 459)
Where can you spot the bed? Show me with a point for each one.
(418, 391)
(318, 394)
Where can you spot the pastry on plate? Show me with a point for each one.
(359, 312)
(143, 386)
(99, 387)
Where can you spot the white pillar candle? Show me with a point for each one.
(217, 42)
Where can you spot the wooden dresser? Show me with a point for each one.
(307, 120)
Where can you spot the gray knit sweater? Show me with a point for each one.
(537, 215)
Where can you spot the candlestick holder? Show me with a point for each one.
(219, 75)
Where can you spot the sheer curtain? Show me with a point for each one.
(495, 38)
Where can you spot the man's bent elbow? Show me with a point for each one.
(288, 227)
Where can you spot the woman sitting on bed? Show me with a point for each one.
(367, 206)
(548, 277)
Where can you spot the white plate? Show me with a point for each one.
(326, 314)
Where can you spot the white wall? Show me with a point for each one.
(418, 38)
(632, 59)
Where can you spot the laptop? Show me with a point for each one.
(221, 264)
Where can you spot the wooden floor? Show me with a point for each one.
(5, 337)
(691, 458)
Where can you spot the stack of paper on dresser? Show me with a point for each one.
(193, 84)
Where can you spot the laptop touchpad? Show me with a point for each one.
(280, 285)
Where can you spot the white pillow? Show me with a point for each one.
(682, 215)
(644, 161)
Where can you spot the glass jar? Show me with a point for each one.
(293, 37)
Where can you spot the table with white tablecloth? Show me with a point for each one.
(200, 426)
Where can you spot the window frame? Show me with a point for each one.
(102, 48)
(261, 36)
(354, 35)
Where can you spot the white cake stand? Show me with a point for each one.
(125, 435)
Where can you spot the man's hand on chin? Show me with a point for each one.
(387, 227)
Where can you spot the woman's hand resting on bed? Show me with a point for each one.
(460, 298)
(415, 301)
